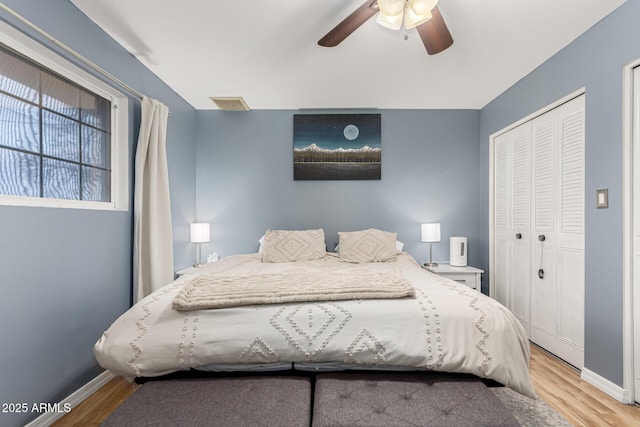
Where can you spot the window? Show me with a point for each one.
(63, 138)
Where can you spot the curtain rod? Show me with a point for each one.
(70, 51)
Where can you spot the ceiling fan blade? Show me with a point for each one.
(434, 33)
(349, 24)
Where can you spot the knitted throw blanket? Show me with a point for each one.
(219, 291)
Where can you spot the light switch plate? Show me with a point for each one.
(602, 198)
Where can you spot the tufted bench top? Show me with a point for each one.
(415, 399)
(235, 401)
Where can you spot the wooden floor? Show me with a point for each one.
(579, 402)
(556, 382)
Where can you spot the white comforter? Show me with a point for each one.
(445, 327)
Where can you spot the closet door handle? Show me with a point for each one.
(542, 237)
(519, 236)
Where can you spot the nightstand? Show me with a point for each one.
(188, 270)
(470, 276)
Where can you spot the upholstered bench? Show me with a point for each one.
(415, 399)
(235, 401)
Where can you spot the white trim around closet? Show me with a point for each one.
(628, 369)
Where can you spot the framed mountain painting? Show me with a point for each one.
(336, 146)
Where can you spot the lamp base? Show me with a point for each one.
(199, 256)
(430, 264)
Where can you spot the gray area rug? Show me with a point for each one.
(366, 401)
(529, 412)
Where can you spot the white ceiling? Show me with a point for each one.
(266, 51)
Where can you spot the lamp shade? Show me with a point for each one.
(391, 7)
(412, 19)
(392, 22)
(391, 13)
(422, 7)
(430, 232)
(200, 232)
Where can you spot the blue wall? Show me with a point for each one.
(430, 165)
(65, 274)
(594, 61)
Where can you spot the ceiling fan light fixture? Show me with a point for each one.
(424, 15)
(412, 12)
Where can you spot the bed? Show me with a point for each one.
(440, 325)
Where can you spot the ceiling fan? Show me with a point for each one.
(421, 14)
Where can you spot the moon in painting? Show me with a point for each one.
(351, 132)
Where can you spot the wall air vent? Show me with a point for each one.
(235, 103)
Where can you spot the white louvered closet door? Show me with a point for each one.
(557, 255)
(521, 235)
(570, 233)
(511, 221)
(538, 228)
(502, 224)
(543, 242)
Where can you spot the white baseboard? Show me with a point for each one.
(620, 394)
(73, 400)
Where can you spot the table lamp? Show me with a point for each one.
(430, 234)
(200, 233)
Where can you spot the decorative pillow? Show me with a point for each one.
(291, 246)
(399, 246)
(367, 246)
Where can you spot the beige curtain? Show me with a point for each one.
(153, 240)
